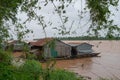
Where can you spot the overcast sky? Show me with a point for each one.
(80, 25)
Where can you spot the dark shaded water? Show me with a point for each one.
(106, 66)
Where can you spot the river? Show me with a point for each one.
(105, 66)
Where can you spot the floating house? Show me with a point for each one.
(16, 45)
(80, 48)
(84, 48)
(50, 47)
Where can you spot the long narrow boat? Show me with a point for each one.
(93, 54)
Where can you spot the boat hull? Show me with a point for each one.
(88, 54)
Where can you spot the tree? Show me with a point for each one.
(8, 12)
(99, 15)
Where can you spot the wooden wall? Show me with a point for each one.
(63, 50)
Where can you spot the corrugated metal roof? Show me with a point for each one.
(77, 44)
(16, 41)
(72, 44)
(41, 42)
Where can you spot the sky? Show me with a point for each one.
(79, 27)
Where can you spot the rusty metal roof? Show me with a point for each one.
(41, 42)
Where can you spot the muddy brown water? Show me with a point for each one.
(106, 66)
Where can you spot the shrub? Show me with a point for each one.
(32, 68)
(31, 56)
(6, 72)
(5, 57)
(61, 75)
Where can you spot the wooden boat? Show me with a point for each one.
(93, 54)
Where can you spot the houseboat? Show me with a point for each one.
(50, 48)
(82, 50)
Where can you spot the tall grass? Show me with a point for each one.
(63, 75)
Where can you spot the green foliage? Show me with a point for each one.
(30, 56)
(100, 15)
(6, 72)
(52, 43)
(62, 75)
(8, 11)
(30, 70)
(5, 57)
(32, 66)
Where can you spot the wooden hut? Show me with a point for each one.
(80, 48)
(16, 45)
(50, 47)
(84, 48)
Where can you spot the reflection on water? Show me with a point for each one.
(108, 65)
